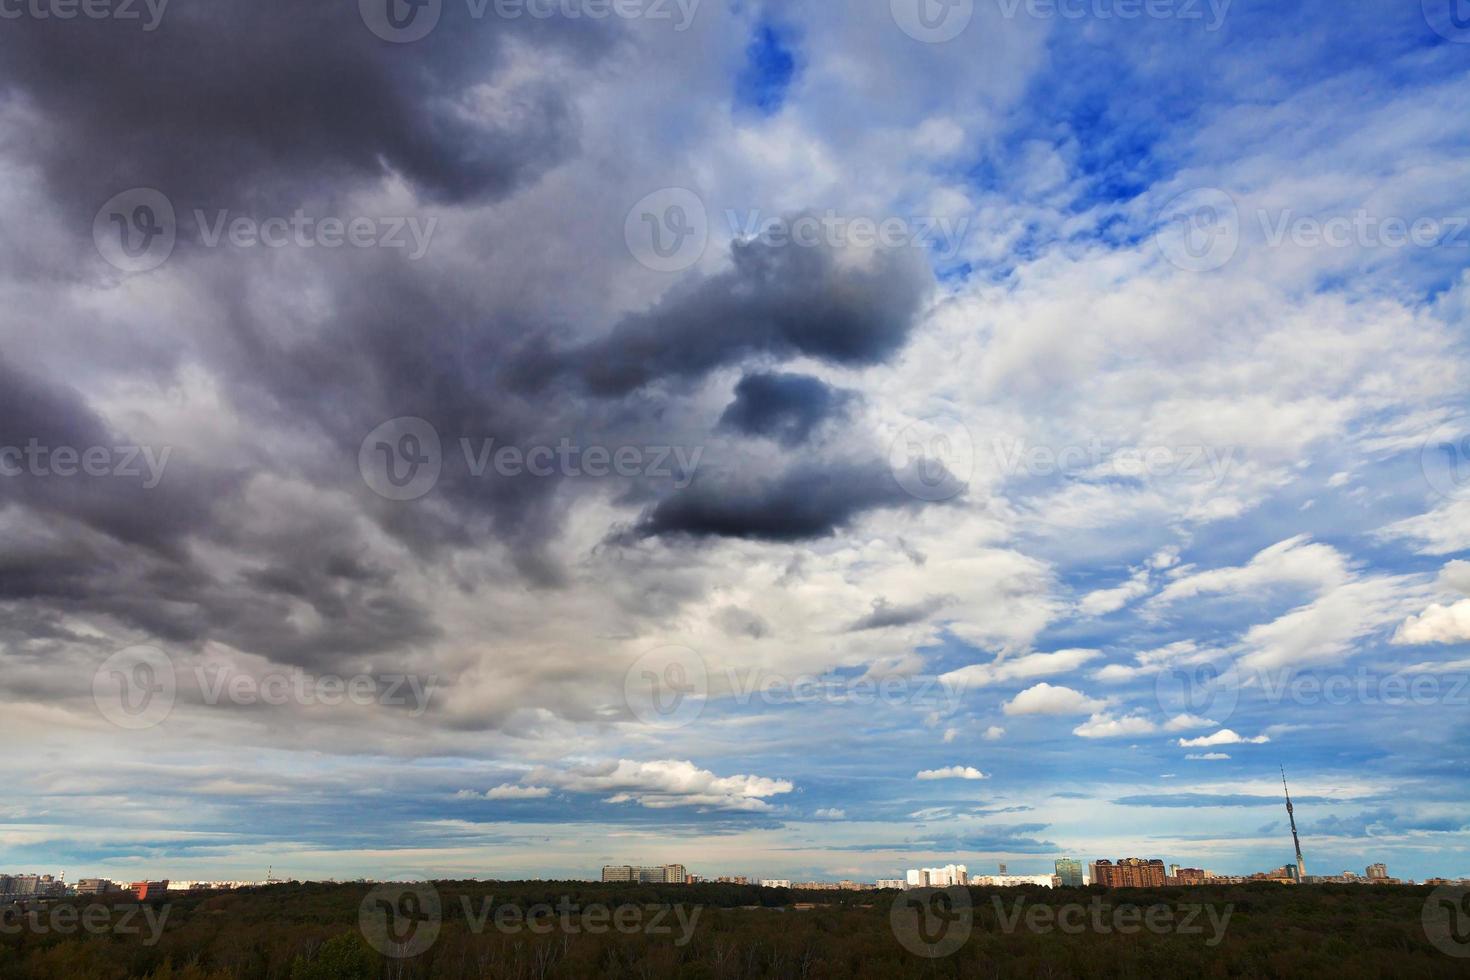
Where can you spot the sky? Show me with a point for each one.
(801, 440)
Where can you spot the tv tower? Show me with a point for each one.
(1301, 866)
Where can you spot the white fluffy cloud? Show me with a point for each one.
(1044, 699)
(1108, 726)
(666, 783)
(509, 791)
(1437, 624)
(1224, 736)
(952, 772)
(1019, 668)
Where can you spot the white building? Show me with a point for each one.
(950, 874)
(775, 883)
(890, 883)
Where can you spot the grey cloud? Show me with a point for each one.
(808, 502)
(783, 407)
(233, 100)
(885, 615)
(775, 301)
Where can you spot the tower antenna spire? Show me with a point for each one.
(1301, 866)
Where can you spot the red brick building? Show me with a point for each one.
(1129, 873)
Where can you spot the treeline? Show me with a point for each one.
(312, 932)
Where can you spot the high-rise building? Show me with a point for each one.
(150, 889)
(775, 883)
(666, 874)
(1069, 871)
(1377, 871)
(1129, 873)
(887, 883)
(94, 886)
(1003, 870)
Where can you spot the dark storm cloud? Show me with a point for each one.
(776, 301)
(783, 407)
(808, 502)
(126, 498)
(885, 614)
(229, 101)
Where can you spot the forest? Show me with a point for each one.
(543, 930)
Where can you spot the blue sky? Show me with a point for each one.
(1201, 516)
